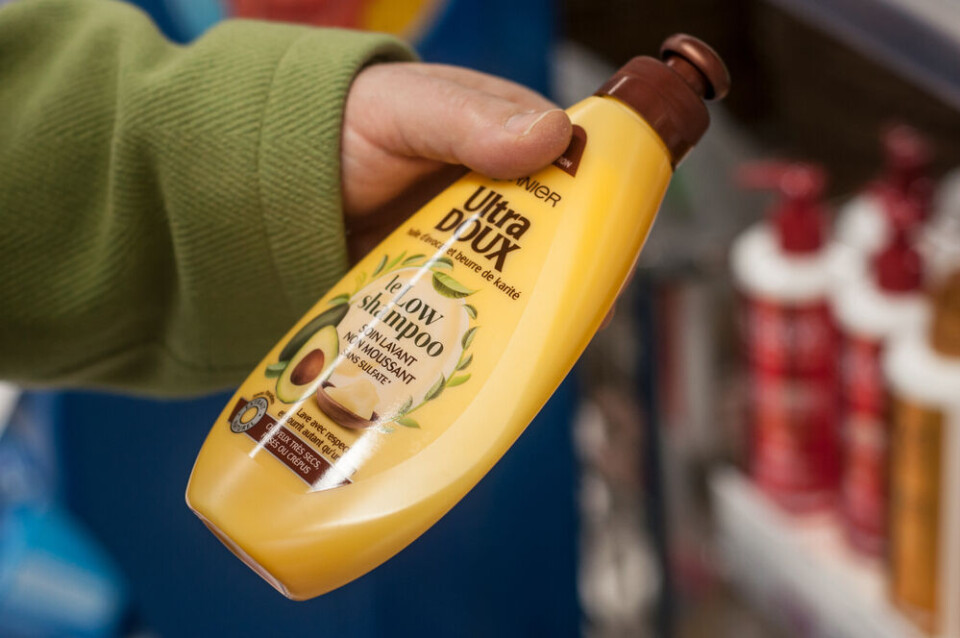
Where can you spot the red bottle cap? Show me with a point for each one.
(898, 267)
(799, 215)
(920, 195)
(908, 158)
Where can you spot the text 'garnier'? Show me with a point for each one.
(491, 229)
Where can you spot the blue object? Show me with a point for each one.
(28, 467)
(55, 580)
(160, 11)
(190, 18)
(510, 38)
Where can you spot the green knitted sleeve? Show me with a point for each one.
(166, 212)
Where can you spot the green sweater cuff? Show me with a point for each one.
(299, 160)
(266, 259)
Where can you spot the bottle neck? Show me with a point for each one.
(664, 99)
(898, 269)
(800, 227)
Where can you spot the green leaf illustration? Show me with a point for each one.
(339, 299)
(362, 277)
(406, 406)
(455, 381)
(386, 429)
(275, 369)
(468, 337)
(470, 311)
(441, 262)
(411, 261)
(407, 422)
(435, 389)
(395, 261)
(383, 262)
(464, 362)
(450, 287)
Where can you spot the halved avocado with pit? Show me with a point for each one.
(307, 364)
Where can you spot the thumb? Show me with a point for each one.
(417, 115)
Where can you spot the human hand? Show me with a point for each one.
(410, 128)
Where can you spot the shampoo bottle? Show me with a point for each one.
(923, 369)
(411, 377)
(782, 272)
(889, 303)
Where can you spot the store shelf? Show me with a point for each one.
(800, 567)
(920, 39)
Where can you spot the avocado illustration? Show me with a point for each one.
(307, 364)
(330, 317)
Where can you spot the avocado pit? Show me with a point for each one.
(309, 368)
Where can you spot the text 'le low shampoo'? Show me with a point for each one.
(387, 402)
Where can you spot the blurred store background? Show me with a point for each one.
(765, 441)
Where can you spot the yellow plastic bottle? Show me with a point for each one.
(409, 379)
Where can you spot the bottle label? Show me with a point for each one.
(916, 466)
(386, 360)
(796, 340)
(791, 352)
(569, 162)
(865, 428)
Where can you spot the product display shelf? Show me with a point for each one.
(920, 39)
(800, 567)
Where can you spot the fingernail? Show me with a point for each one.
(522, 123)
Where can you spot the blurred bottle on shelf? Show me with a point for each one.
(782, 271)
(864, 223)
(870, 312)
(618, 575)
(923, 369)
(28, 472)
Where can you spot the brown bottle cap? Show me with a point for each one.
(669, 94)
(945, 336)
